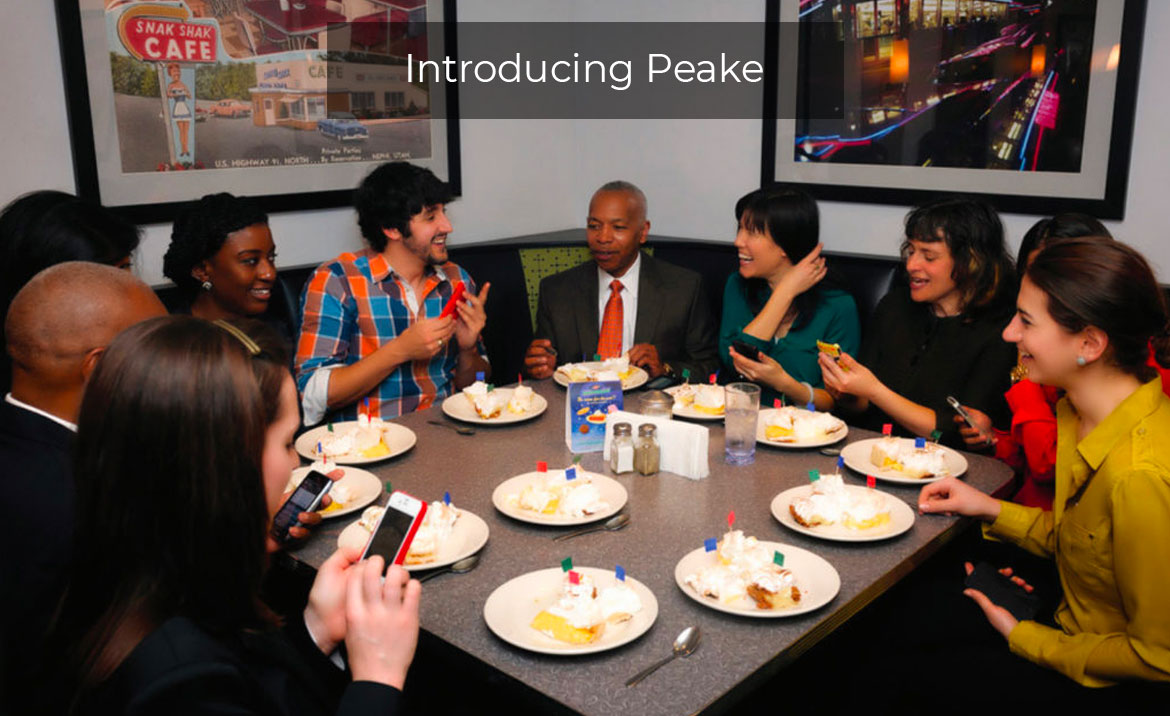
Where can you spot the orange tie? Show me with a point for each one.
(609, 343)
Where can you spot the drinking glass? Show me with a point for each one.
(742, 407)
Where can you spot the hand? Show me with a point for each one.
(766, 370)
(425, 338)
(383, 622)
(300, 530)
(645, 355)
(846, 376)
(807, 273)
(472, 318)
(951, 496)
(325, 611)
(540, 361)
(1001, 619)
(980, 438)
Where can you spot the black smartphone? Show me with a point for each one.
(745, 350)
(305, 498)
(1003, 591)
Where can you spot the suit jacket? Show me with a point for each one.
(36, 476)
(673, 315)
(180, 668)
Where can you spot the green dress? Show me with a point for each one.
(834, 320)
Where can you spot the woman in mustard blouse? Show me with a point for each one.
(1087, 312)
(777, 303)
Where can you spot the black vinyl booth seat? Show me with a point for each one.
(509, 328)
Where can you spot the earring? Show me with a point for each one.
(1081, 361)
(207, 287)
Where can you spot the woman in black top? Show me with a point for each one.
(939, 335)
(184, 448)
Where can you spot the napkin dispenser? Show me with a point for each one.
(683, 445)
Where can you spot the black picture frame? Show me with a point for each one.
(780, 84)
(81, 117)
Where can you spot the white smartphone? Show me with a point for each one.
(396, 528)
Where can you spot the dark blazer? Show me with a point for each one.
(181, 669)
(36, 476)
(673, 315)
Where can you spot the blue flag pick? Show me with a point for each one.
(709, 544)
(479, 375)
(446, 498)
(919, 443)
(840, 462)
(811, 407)
(620, 572)
(570, 473)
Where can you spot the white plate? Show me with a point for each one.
(365, 487)
(398, 438)
(611, 491)
(857, 454)
(762, 437)
(638, 377)
(901, 518)
(817, 579)
(688, 411)
(510, 609)
(459, 407)
(468, 536)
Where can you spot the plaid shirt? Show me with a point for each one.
(356, 303)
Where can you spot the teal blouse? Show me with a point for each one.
(834, 321)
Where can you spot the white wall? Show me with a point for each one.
(523, 177)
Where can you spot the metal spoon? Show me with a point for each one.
(612, 524)
(461, 567)
(684, 645)
(830, 451)
(457, 428)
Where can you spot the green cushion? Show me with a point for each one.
(541, 262)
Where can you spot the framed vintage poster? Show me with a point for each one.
(1030, 104)
(289, 101)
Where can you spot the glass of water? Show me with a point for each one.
(739, 423)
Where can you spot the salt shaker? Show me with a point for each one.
(621, 451)
(646, 451)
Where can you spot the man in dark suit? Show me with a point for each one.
(57, 327)
(623, 300)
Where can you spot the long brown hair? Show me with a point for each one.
(171, 512)
(1095, 281)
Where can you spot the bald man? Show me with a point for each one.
(57, 327)
(623, 300)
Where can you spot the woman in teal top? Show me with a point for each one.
(777, 303)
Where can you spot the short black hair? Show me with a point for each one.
(1069, 225)
(391, 194)
(200, 231)
(973, 233)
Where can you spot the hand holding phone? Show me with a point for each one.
(453, 302)
(396, 528)
(1001, 590)
(305, 498)
(954, 403)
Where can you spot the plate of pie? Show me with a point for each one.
(794, 427)
(631, 376)
(355, 489)
(698, 401)
(846, 513)
(550, 612)
(743, 576)
(900, 460)
(497, 407)
(550, 498)
(447, 535)
(356, 442)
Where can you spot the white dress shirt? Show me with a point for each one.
(629, 294)
(60, 421)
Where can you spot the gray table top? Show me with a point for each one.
(670, 516)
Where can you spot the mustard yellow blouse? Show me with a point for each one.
(1112, 547)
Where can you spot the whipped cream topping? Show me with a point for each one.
(709, 396)
(742, 562)
(583, 605)
(337, 444)
(521, 399)
(806, 425)
(575, 498)
(831, 502)
(436, 528)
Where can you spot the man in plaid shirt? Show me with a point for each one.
(371, 331)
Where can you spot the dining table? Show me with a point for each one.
(669, 516)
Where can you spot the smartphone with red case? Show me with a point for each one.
(453, 302)
(396, 528)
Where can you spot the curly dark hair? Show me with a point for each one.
(200, 231)
(973, 233)
(391, 194)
